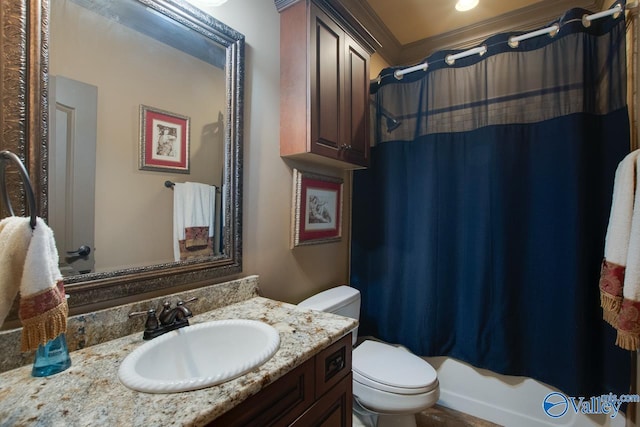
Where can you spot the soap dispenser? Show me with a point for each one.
(51, 358)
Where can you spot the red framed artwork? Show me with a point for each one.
(317, 208)
(164, 140)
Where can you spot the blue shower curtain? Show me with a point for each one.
(478, 230)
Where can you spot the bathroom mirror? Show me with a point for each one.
(97, 74)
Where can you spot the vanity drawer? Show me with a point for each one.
(333, 364)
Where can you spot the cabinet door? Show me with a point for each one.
(326, 84)
(357, 103)
(334, 409)
(277, 405)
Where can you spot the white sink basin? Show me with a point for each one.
(199, 356)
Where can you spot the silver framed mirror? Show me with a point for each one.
(30, 78)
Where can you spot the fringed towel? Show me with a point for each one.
(617, 239)
(30, 258)
(193, 220)
(628, 323)
(15, 235)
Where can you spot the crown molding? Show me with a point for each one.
(534, 16)
(344, 17)
(283, 4)
(390, 48)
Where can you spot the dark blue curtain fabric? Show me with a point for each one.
(485, 245)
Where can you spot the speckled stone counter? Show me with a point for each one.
(89, 393)
(96, 327)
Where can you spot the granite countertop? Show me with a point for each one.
(89, 393)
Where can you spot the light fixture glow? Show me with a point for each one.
(464, 5)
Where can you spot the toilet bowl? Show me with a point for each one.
(390, 384)
(389, 380)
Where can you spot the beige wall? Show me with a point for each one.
(285, 274)
(377, 64)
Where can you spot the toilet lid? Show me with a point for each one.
(392, 369)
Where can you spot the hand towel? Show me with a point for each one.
(193, 220)
(43, 305)
(628, 322)
(31, 260)
(617, 238)
(15, 235)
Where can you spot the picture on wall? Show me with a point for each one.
(164, 141)
(317, 208)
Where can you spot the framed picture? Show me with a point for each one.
(317, 209)
(164, 141)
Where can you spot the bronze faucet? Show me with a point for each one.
(169, 319)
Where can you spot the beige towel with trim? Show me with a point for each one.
(15, 235)
(616, 244)
(628, 322)
(29, 262)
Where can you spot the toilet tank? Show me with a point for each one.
(342, 300)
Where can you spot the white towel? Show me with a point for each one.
(30, 258)
(628, 322)
(193, 208)
(617, 239)
(622, 206)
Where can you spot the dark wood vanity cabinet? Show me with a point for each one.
(324, 104)
(316, 393)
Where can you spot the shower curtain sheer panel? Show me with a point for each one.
(478, 230)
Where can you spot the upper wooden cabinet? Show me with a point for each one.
(324, 86)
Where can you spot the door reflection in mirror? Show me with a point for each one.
(72, 164)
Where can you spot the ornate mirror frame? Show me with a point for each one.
(24, 32)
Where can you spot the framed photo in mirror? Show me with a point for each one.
(164, 141)
(317, 208)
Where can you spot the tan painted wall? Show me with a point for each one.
(285, 274)
(377, 64)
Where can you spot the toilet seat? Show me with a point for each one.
(391, 369)
(384, 402)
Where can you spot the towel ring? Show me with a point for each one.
(31, 199)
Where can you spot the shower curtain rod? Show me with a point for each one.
(514, 41)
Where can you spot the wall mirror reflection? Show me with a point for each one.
(116, 69)
(106, 60)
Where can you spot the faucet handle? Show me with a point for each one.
(189, 300)
(152, 320)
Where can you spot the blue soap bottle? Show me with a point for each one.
(51, 358)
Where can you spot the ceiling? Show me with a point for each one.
(413, 20)
(408, 31)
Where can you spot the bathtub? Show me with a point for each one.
(505, 400)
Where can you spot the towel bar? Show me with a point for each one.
(170, 184)
(31, 199)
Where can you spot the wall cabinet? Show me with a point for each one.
(324, 86)
(316, 393)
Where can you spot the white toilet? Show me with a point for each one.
(390, 384)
